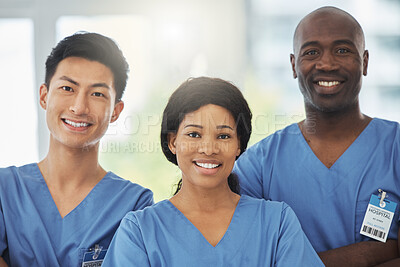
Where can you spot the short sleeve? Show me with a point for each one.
(144, 200)
(127, 247)
(3, 237)
(396, 158)
(294, 249)
(248, 169)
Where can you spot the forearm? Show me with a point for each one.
(368, 253)
(392, 263)
(3, 263)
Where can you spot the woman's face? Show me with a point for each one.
(206, 146)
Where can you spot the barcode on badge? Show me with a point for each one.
(374, 232)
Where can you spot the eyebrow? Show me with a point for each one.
(224, 127)
(66, 78)
(310, 43)
(344, 41)
(193, 125)
(201, 127)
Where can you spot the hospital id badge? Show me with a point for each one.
(378, 217)
(94, 257)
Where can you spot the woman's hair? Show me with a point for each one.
(195, 93)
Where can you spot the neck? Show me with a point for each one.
(200, 199)
(333, 124)
(65, 166)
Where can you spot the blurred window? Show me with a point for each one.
(19, 138)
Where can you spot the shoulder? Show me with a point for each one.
(386, 124)
(274, 212)
(7, 177)
(263, 154)
(123, 184)
(385, 130)
(274, 140)
(155, 210)
(126, 190)
(16, 179)
(151, 215)
(6, 172)
(13, 173)
(271, 207)
(273, 215)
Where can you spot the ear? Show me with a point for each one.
(238, 150)
(172, 142)
(365, 62)
(117, 110)
(43, 92)
(293, 63)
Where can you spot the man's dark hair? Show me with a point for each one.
(95, 47)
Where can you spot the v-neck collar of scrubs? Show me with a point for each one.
(225, 240)
(356, 151)
(52, 205)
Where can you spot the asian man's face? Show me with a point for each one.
(80, 102)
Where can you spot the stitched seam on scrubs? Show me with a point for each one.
(140, 230)
(284, 215)
(144, 200)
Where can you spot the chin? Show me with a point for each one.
(320, 107)
(83, 145)
(337, 108)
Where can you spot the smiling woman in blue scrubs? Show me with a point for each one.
(206, 126)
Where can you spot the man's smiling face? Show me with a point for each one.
(80, 102)
(329, 60)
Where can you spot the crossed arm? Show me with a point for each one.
(395, 262)
(3, 263)
(367, 253)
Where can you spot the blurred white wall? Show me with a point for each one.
(165, 42)
(245, 41)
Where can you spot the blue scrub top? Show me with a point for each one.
(32, 232)
(261, 233)
(329, 202)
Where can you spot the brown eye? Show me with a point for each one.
(224, 136)
(98, 94)
(194, 135)
(66, 88)
(342, 51)
(311, 52)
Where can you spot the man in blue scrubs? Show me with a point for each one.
(328, 166)
(64, 210)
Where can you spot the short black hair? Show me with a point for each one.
(197, 92)
(335, 12)
(95, 47)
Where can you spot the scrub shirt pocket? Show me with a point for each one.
(91, 257)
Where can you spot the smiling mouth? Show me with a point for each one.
(76, 124)
(207, 165)
(328, 83)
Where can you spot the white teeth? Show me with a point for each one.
(328, 84)
(207, 165)
(76, 124)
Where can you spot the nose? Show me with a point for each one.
(208, 147)
(327, 62)
(79, 105)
